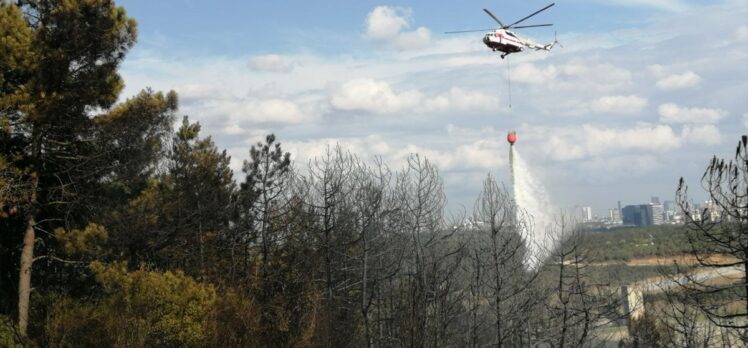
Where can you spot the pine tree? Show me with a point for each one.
(180, 219)
(59, 65)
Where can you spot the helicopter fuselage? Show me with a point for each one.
(503, 41)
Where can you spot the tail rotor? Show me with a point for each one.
(554, 43)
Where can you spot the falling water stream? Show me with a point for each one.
(530, 195)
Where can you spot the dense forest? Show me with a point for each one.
(117, 229)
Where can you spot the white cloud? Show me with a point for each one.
(666, 5)
(597, 141)
(622, 165)
(459, 99)
(271, 63)
(234, 129)
(385, 22)
(621, 104)
(600, 140)
(373, 96)
(672, 113)
(679, 81)
(463, 132)
(481, 154)
(191, 92)
(385, 25)
(414, 39)
(611, 104)
(560, 149)
(590, 76)
(529, 73)
(276, 110)
(745, 121)
(379, 97)
(703, 135)
(579, 76)
(571, 144)
(475, 155)
(251, 111)
(741, 33)
(658, 70)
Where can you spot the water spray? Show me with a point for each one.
(530, 196)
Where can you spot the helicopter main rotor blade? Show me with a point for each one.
(532, 26)
(494, 18)
(534, 13)
(468, 31)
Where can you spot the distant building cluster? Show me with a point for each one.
(642, 214)
(652, 213)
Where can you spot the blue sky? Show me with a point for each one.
(642, 92)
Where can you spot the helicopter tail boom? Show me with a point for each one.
(547, 47)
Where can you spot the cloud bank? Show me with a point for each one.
(597, 110)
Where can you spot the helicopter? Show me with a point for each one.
(507, 42)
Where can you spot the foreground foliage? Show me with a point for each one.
(135, 309)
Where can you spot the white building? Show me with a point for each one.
(587, 213)
(615, 215)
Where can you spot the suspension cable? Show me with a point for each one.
(509, 81)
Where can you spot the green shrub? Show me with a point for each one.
(8, 333)
(137, 309)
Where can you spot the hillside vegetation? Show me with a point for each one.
(628, 243)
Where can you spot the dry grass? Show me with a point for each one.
(683, 259)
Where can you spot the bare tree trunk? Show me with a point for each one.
(564, 326)
(27, 260)
(745, 281)
(29, 237)
(585, 308)
(200, 239)
(475, 298)
(497, 294)
(364, 305)
(24, 280)
(328, 274)
(502, 241)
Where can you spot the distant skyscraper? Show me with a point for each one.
(642, 214)
(586, 213)
(669, 207)
(696, 215)
(646, 211)
(655, 200)
(615, 215)
(713, 211)
(632, 215)
(655, 214)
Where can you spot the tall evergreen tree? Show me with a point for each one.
(59, 62)
(74, 50)
(202, 185)
(178, 220)
(262, 203)
(261, 195)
